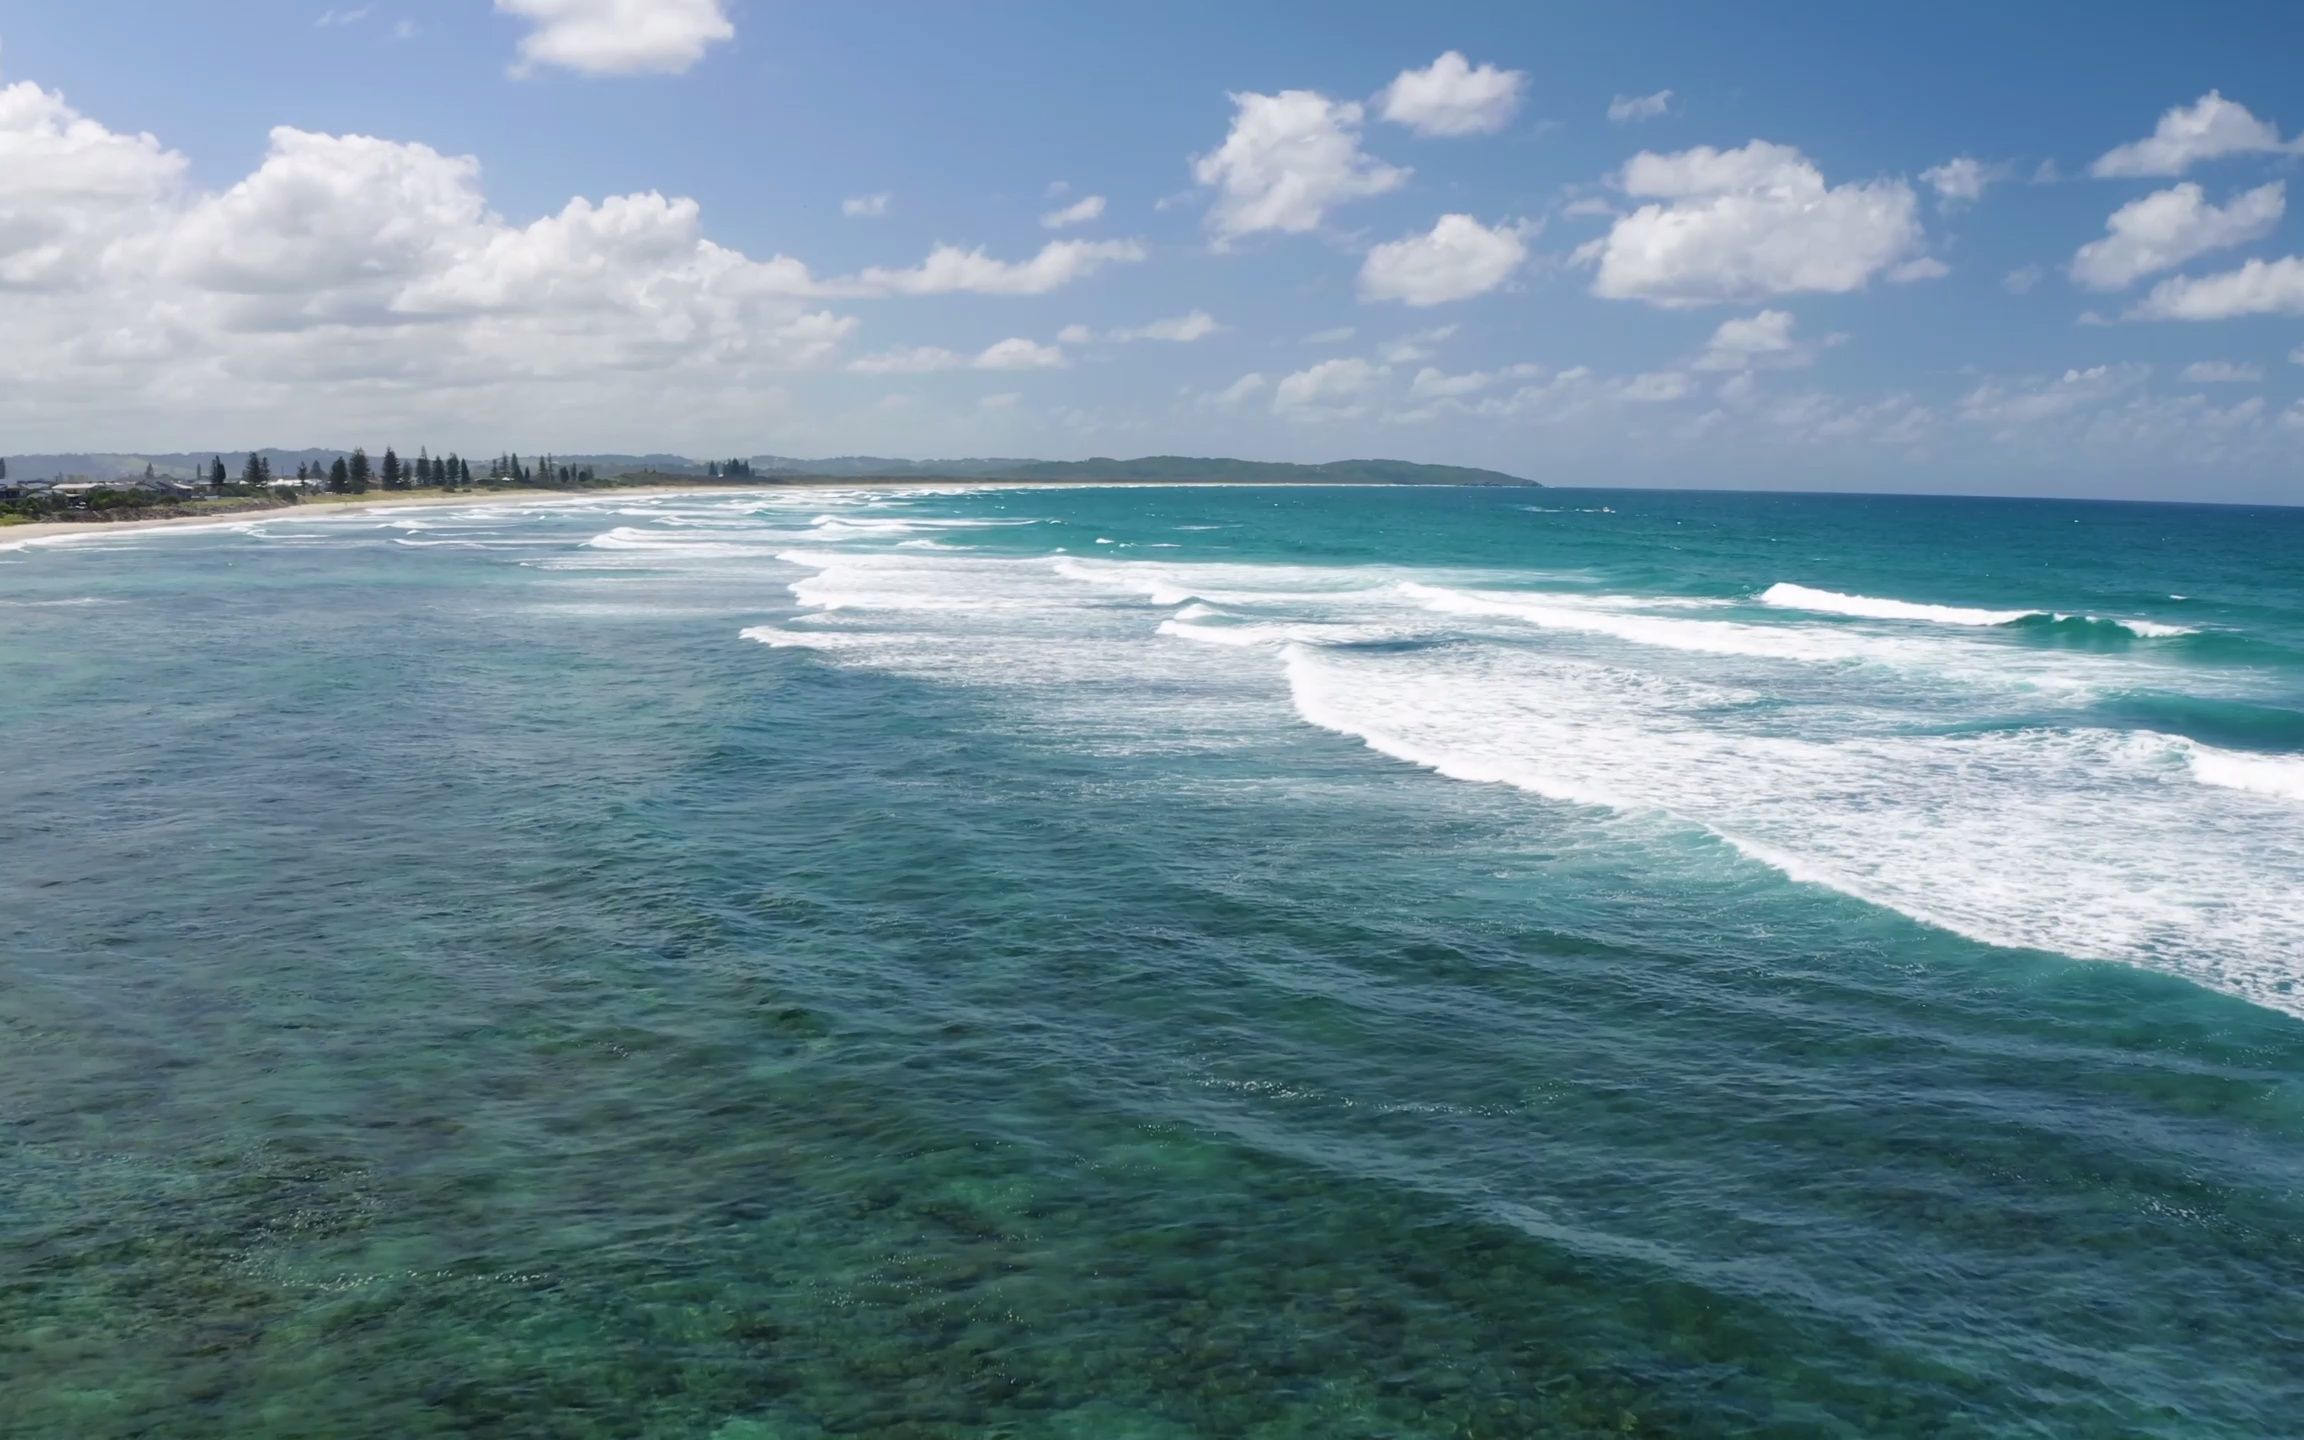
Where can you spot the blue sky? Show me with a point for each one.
(2041, 249)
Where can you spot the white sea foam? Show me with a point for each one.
(1788, 596)
(1137, 581)
(2098, 843)
(2276, 775)
(100, 530)
(1711, 637)
(828, 641)
(1233, 635)
(691, 544)
(1250, 634)
(2069, 840)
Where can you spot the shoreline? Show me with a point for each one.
(48, 532)
(52, 532)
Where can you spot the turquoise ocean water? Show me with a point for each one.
(1132, 964)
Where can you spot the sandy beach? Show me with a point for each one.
(52, 532)
(14, 537)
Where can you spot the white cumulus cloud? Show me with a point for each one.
(866, 207)
(2222, 372)
(1014, 353)
(2007, 404)
(1236, 394)
(1330, 390)
(1017, 353)
(1451, 96)
(1762, 341)
(1079, 212)
(2164, 229)
(1288, 160)
(1176, 329)
(2208, 129)
(1627, 109)
(68, 187)
(951, 270)
(1434, 384)
(1415, 347)
(2260, 287)
(1746, 224)
(1458, 259)
(1961, 180)
(618, 37)
(348, 279)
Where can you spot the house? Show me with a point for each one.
(77, 490)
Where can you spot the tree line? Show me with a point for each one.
(356, 474)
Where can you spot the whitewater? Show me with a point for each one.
(1718, 960)
(1857, 743)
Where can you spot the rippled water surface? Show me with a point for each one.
(1134, 964)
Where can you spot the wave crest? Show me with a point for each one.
(1784, 595)
(2280, 776)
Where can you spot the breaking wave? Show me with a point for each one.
(1785, 595)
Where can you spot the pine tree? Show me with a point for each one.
(216, 476)
(464, 471)
(264, 470)
(3, 469)
(359, 471)
(252, 473)
(340, 477)
(391, 476)
(147, 469)
(712, 470)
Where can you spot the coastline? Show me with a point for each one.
(51, 532)
(46, 532)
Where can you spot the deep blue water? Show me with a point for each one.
(1156, 962)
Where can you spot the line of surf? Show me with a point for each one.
(1785, 595)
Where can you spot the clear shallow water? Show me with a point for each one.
(1157, 963)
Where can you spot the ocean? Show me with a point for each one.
(1146, 963)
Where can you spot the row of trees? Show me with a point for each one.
(508, 469)
(356, 474)
(353, 474)
(730, 469)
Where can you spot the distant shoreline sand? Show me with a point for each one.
(48, 532)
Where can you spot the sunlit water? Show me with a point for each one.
(1156, 963)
